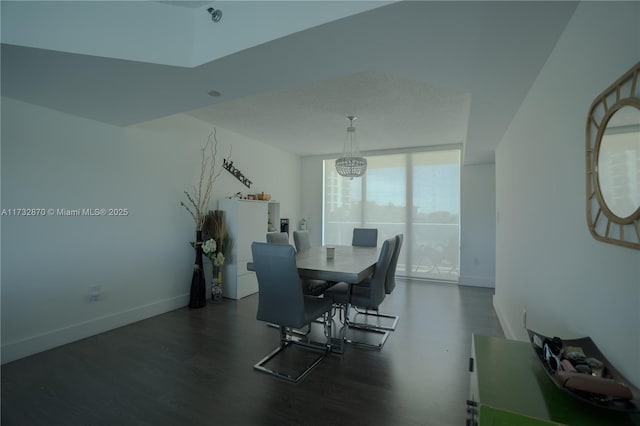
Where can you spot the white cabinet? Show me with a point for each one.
(246, 222)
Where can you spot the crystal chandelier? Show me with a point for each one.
(351, 163)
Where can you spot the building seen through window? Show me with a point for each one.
(417, 194)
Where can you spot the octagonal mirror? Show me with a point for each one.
(613, 162)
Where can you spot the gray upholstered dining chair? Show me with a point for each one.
(281, 302)
(301, 240)
(278, 238)
(390, 283)
(389, 286)
(365, 237)
(366, 297)
(309, 287)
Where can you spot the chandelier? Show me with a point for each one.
(351, 163)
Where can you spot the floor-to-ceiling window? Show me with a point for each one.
(414, 193)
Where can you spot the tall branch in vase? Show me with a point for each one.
(199, 197)
(197, 205)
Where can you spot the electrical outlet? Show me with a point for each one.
(94, 294)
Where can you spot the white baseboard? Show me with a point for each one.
(506, 326)
(477, 281)
(51, 339)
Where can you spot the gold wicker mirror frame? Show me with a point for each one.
(603, 223)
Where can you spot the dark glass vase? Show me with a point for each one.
(198, 296)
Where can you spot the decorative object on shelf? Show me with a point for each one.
(228, 166)
(351, 164)
(216, 237)
(579, 368)
(613, 162)
(263, 197)
(198, 201)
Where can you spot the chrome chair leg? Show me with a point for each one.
(297, 332)
(336, 344)
(260, 366)
(286, 342)
(328, 330)
(350, 325)
(377, 314)
(384, 336)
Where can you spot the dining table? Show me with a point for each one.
(349, 264)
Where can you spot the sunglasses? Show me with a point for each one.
(552, 356)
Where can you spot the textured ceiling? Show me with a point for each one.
(310, 119)
(415, 73)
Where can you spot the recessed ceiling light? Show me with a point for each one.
(214, 93)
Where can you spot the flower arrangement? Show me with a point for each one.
(210, 249)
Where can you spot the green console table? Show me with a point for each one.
(509, 387)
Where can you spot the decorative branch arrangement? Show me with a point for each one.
(199, 197)
(228, 165)
(214, 228)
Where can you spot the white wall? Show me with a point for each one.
(546, 261)
(312, 187)
(142, 263)
(478, 225)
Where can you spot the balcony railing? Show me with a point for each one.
(430, 250)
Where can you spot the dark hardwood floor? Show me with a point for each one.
(196, 367)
